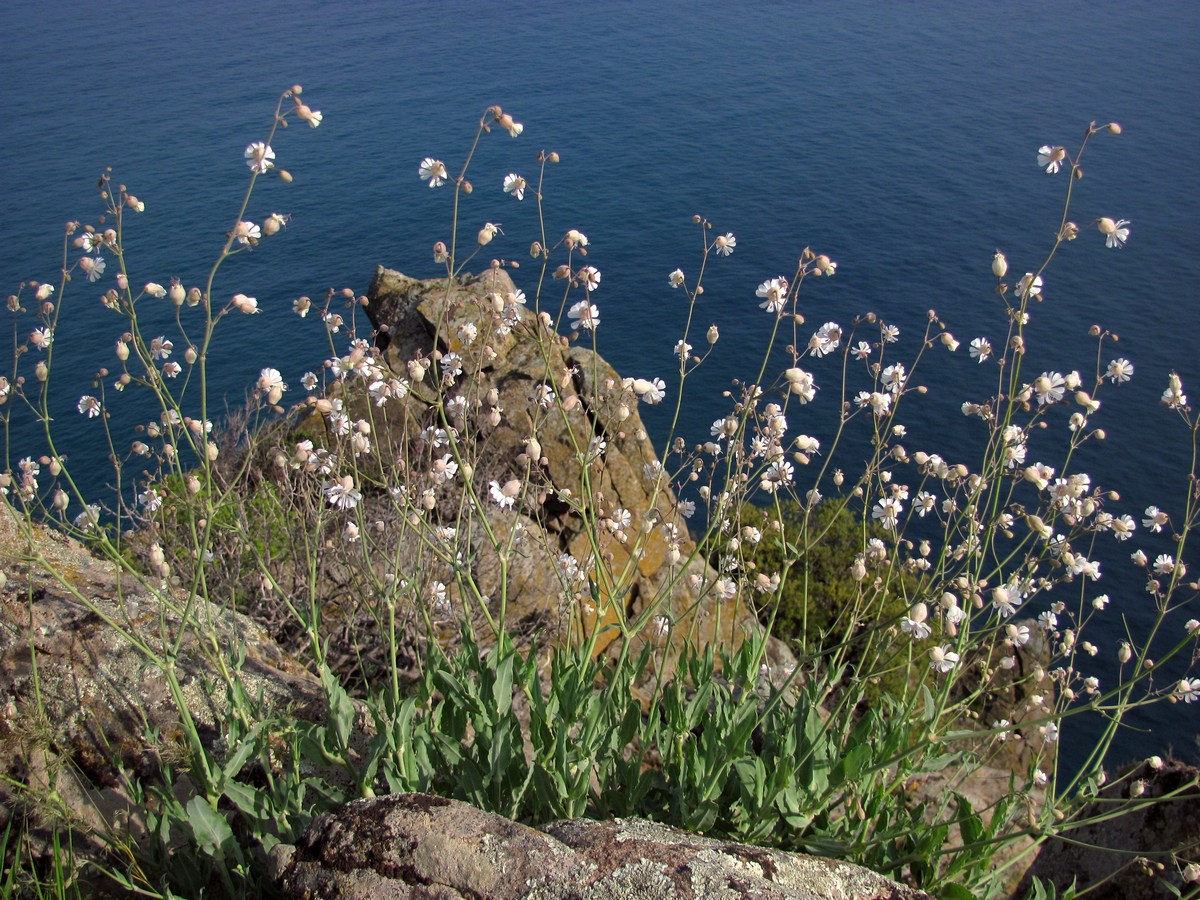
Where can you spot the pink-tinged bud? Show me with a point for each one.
(193, 484)
(41, 371)
(1114, 128)
(713, 335)
(178, 294)
(553, 156)
(949, 341)
(212, 451)
(1125, 653)
(122, 282)
(285, 176)
(122, 351)
(247, 305)
(190, 355)
(61, 500)
(44, 291)
(193, 296)
(154, 289)
(55, 467)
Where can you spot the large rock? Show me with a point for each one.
(513, 358)
(81, 697)
(418, 846)
(1145, 830)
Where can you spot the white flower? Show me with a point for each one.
(258, 157)
(1155, 519)
(1173, 397)
(826, 339)
(1029, 286)
(651, 391)
(88, 406)
(1050, 158)
(676, 278)
(433, 171)
(584, 315)
(150, 500)
(247, 305)
(160, 348)
(942, 659)
(725, 243)
(589, 277)
(774, 294)
(1164, 564)
(95, 267)
(981, 349)
(1119, 370)
(247, 233)
(514, 184)
(801, 384)
(1188, 691)
(778, 474)
(887, 511)
(1049, 387)
(504, 496)
(1115, 233)
(342, 493)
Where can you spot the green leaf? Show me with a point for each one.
(211, 831)
(341, 707)
(502, 687)
(954, 892)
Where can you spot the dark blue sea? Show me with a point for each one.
(898, 138)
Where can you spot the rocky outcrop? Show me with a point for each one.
(1145, 832)
(82, 699)
(415, 845)
(515, 360)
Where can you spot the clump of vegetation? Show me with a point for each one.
(388, 547)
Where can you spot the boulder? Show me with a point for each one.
(1145, 831)
(82, 701)
(514, 360)
(415, 845)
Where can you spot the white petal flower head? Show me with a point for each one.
(1051, 158)
(514, 184)
(887, 512)
(433, 171)
(504, 495)
(651, 391)
(88, 406)
(676, 278)
(1115, 233)
(247, 233)
(942, 659)
(1119, 370)
(1188, 691)
(981, 349)
(259, 157)
(774, 293)
(589, 277)
(1173, 397)
(1050, 387)
(725, 243)
(1029, 285)
(584, 315)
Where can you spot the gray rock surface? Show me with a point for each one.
(1147, 831)
(79, 699)
(418, 846)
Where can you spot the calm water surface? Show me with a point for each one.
(897, 138)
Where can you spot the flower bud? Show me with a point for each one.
(1114, 128)
(193, 296)
(713, 335)
(999, 265)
